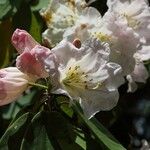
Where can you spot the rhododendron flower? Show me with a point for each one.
(88, 20)
(85, 74)
(137, 15)
(12, 84)
(34, 59)
(59, 15)
(63, 14)
(135, 12)
(140, 73)
(109, 29)
(123, 41)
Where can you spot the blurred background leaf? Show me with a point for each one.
(6, 51)
(5, 8)
(10, 111)
(12, 129)
(37, 5)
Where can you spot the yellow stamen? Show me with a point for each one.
(75, 77)
(102, 36)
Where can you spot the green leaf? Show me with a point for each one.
(67, 109)
(5, 43)
(57, 125)
(8, 8)
(10, 111)
(12, 129)
(5, 8)
(91, 144)
(80, 139)
(36, 27)
(61, 131)
(16, 4)
(39, 4)
(64, 103)
(36, 137)
(22, 18)
(99, 131)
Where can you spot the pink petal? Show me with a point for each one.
(23, 41)
(28, 64)
(12, 84)
(39, 62)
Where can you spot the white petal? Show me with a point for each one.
(94, 101)
(65, 51)
(132, 86)
(89, 16)
(144, 53)
(140, 73)
(52, 36)
(115, 76)
(123, 42)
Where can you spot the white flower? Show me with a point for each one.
(64, 16)
(135, 12)
(110, 29)
(123, 40)
(88, 20)
(59, 15)
(12, 84)
(86, 75)
(137, 15)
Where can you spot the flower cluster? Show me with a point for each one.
(125, 27)
(90, 54)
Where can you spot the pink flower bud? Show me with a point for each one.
(23, 41)
(34, 60)
(12, 84)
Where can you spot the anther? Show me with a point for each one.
(86, 76)
(72, 74)
(77, 43)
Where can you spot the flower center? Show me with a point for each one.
(133, 23)
(76, 78)
(103, 37)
